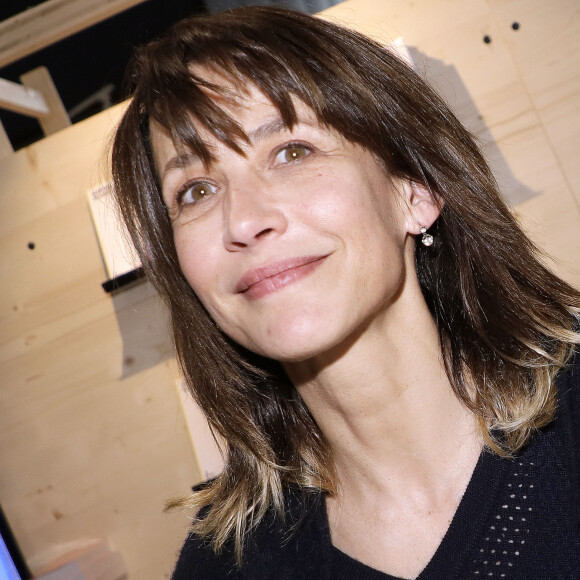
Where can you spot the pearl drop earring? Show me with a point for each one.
(426, 239)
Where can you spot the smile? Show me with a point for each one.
(262, 281)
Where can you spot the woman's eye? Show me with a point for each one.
(292, 152)
(194, 192)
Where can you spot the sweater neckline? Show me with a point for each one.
(464, 530)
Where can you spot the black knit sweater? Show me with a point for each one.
(519, 519)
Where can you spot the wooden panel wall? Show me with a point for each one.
(92, 436)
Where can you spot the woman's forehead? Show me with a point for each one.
(258, 118)
(243, 103)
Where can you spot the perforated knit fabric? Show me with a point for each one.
(505, 539)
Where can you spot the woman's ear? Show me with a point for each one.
(423, 208)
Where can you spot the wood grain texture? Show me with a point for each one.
(92, 436)
(546, 51)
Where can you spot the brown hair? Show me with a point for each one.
(506, 323)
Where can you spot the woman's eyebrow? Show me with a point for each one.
(179, 161)
(277, 125)
(263, 131)
(267, 129)
(182, 160)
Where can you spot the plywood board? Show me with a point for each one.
(92, 435)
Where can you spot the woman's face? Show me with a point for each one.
(293, 246)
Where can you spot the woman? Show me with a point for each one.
(354, 308)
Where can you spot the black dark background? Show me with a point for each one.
(83, 63)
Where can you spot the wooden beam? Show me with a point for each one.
(20, 99)
(56, 118)
(5, 145)
(51, 21)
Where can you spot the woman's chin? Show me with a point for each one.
(291, 352)
(289, 344)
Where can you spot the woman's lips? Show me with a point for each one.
(261, 281)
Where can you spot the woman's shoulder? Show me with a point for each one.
(292, 548)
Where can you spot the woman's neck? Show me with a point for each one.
(386, 407)
(404, 447)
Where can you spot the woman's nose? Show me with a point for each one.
(251, 214)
